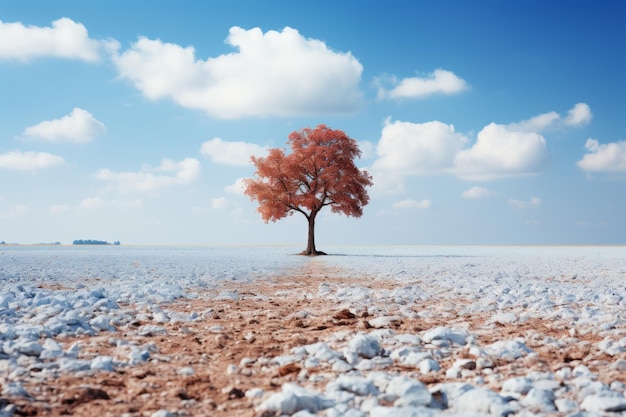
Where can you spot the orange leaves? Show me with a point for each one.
(319, 172)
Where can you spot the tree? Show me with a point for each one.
(319, 172)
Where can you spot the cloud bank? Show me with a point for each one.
(609, 157)
(29, 161)
(148, 179)
(64, 39)
(438, 82)
(231, 153)
(271, 74)
(79, 126)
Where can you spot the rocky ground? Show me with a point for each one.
(319, 343)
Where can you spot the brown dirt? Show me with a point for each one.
(260, 325)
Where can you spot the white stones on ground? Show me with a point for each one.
(254, 393)
(186, 371)
(227, 296)
(540, 399)
(163, 413)
(384, 321)
(509, 350)
(602, 403)
(149, 330)
(27, 347)
(403, 412)
(429, 365)
(102, 363)
(361, 346)
(408, 391)
(161, 317)
(101, 322)
(51, 349)
(14, 389)
(517, 385)
(293, 398)
(355, 384)
(231, 369)
(480, 400)
(454, 336)
(137, 356)
(566, 405)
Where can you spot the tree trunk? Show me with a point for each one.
(310, 246)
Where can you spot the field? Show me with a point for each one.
(366, 331)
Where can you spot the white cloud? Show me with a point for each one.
(579, 115)
(610, 157)
(476, 192)
(417, 148)
(78, 126)
(272, 73)
(236, 188)
(412, 204)
(231, 153)
(153, 179)
(438, 82)
(501, 152)
(532, 203)
(535, 124)
(29, 161)
(220, 203)
(64, 39)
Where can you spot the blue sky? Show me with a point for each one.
(484, 122)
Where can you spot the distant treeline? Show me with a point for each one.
(93, 242)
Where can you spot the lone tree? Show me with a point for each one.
(319, 172)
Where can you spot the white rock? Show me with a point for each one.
(162, 413)
(186, 371)
(539, 398)
(566, 405)
(518, 385)
(455, 336)
(254, 393)
(102, 363)
(480, 400)
(293, 398)
(508, 349)
(28, 347)
(102, 322)
(410, 392)
(403, 412)
(384, 321)
(362, 345)
(429, 365)
(355, 384)
(598, 403)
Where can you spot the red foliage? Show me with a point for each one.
(319, 172)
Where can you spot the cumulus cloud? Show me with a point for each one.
(236, 188)
(231, 153)
(78, 126)
(438, 82)
(29, 161)
(609, 157)
(417, 148)
(412, 204)
(272, 73)
(579, 115)
(476, 192)
(64, 39)
(532, 203)
(169, 173)
(501, 152)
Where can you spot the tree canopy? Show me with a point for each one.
(318, 172)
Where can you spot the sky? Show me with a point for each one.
(482, 122)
